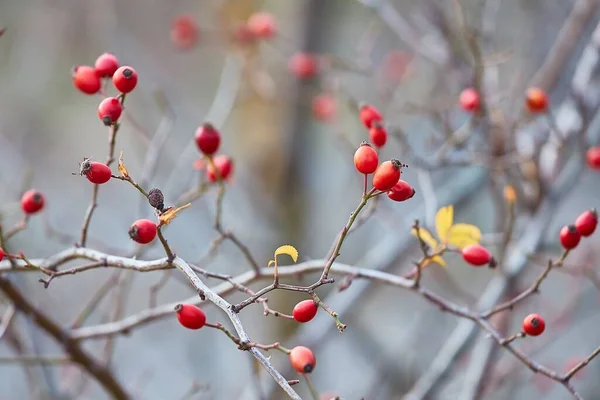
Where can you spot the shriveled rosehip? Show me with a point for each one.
(224, 164)
(1, 253)
(469, 100)
(125, 79)
(323, 107)
(184, 32)
(305, 311)
(303, 65)
(302, 359)
(96, 172)
(262, 25)
(534, 325)
(207, 139)
(106, 65)
(401, 191)
(190, 316)
(32, 201)
(378, 135)
(143, 231)
(569, 237)
(387, 175)
(109, 110)
(593, 157)
(586, 223)
(85, 79)
(536, 100)
(369, 115)
(156, 199)
(476, 255)
(366, 158)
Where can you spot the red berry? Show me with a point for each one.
(303, 360)
(476, 255)
(303, 65)
(262, 25)
(125, 79)
(387, 175)
(534, 325)
(586, 223)
(401, 191)
(593, 157)
(569, 237)
(143, 231)
(378, 135)
(536, 100)
(190, 316)
(305, 311)
(85, 79)
(110, 110)
(207, 139)
(106, 65)
(1, 253)
(96, 172)
(225, 166)
(369, 115)
(469, 100)
(366, 158)
(184, 32)
(323, 107)
(32, 201)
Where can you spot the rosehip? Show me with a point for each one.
(469, 100)
(369, 115)
(323, 107)
(85, 79)
(593, 157)
(207, 139)
(143, 231)
(262, 25)
(190, 316)
(1, 253)
(536, 100)
(366, 159)
(401, 191)
(302, 359)
(106, 65)
(225, 166)
(534, 325)
(305, 311)
(184, 32)
(125, 79)
(32, 201)
(569, 237)
(476, 255)
(387, 175)
(378, 135)
(109, 110)
(96, 172)
(303, 65)
(586, 223)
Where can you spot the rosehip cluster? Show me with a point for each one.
(373, 121)
(208, 141)
(585, 225)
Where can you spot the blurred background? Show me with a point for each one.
(294, 183)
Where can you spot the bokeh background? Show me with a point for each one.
(294, 183)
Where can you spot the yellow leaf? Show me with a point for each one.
(272, 262)
(167, 216)
(463, 235)
(426, 236)
(289, 250)
(436, 259)
(443, 222)
(122, 168)
(510, 194)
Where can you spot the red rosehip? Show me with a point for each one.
(305, 311)
(369, 115)
(225, 166)
(143, 231)
(96, 172)
(302, 359)
(536, 100)
(323, 107)
(476, 255)
(401, 191)
(125, 79)
(85, 79)
(593, 157)
(586, 223)
(207, 139)
(190, 316)
(569, 237)
(262, 25)
(110, 110)
(106, 65)
(469, 100)
(184, 32)
(366, 158)
(303, 65)
(534, 325)
(32, 201)
(378, 135)
(1, 253)
(387, 175)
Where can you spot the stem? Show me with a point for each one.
(311, 388)
(163, 241)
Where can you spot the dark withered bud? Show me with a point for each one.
(156, 199)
